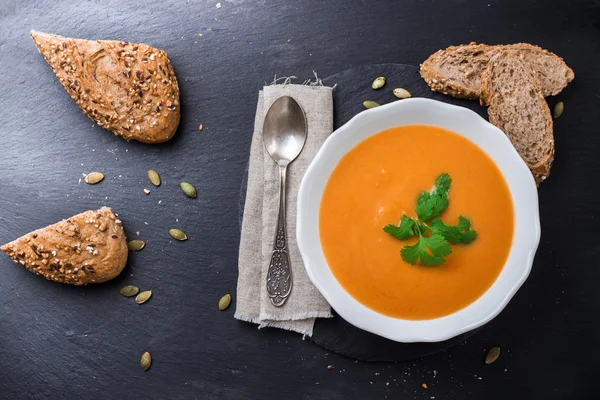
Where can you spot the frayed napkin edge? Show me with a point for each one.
(262, 319)
(288, 80)
(282, 325)
(254, 320)
(274, 324)
(265, 317)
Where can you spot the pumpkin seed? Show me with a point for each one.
(143, 297)
(370, 104)
(188, 189)
(378, 83)
(136, 245)
(129, 291)
(558, 109)
(154, 177)
(146, 361)
(225, 302)
(93, 177)
(178, 234)
(402, 93)
(492, 355)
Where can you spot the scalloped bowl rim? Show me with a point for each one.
(487, 137)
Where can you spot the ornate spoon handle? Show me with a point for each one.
(279, 275)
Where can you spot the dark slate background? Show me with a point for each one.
(60, 342)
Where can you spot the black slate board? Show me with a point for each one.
(352, 87)
(58, 342)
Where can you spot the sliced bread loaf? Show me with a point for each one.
(512, 90)
(128, 88)
(456, 71)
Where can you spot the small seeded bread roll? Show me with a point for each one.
(512, 89)
(88, 248)
(129, 89)
(457, 70)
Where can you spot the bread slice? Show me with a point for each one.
(456, 71)
(129, 89)
(88, 248)
(512, 90)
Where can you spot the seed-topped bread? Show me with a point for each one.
(512, 90)
(87, 248)
(128, 88)
(457, 70)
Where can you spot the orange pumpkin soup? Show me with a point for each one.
(376, 183)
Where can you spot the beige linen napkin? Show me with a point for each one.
(260, 217)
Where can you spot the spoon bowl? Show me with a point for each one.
(284, 130)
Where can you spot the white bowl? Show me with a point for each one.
(494, 143)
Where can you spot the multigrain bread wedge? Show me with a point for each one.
(129, 89)
(512, 90)
(457, 70)
(87, 248)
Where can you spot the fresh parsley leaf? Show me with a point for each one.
(428, 251)
(461, 233)
(406, 230)
(442, 183)
(430, 205)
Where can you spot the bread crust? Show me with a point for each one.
(129, 89)
(90, 247)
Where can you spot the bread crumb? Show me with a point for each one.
(218, 5)
(330, 367)
(424, 385)
(146, 191)
(200, 127)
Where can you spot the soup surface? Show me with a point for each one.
(376, 183)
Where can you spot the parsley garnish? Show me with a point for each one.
(434, 235)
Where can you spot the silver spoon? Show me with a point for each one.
(284, 135)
